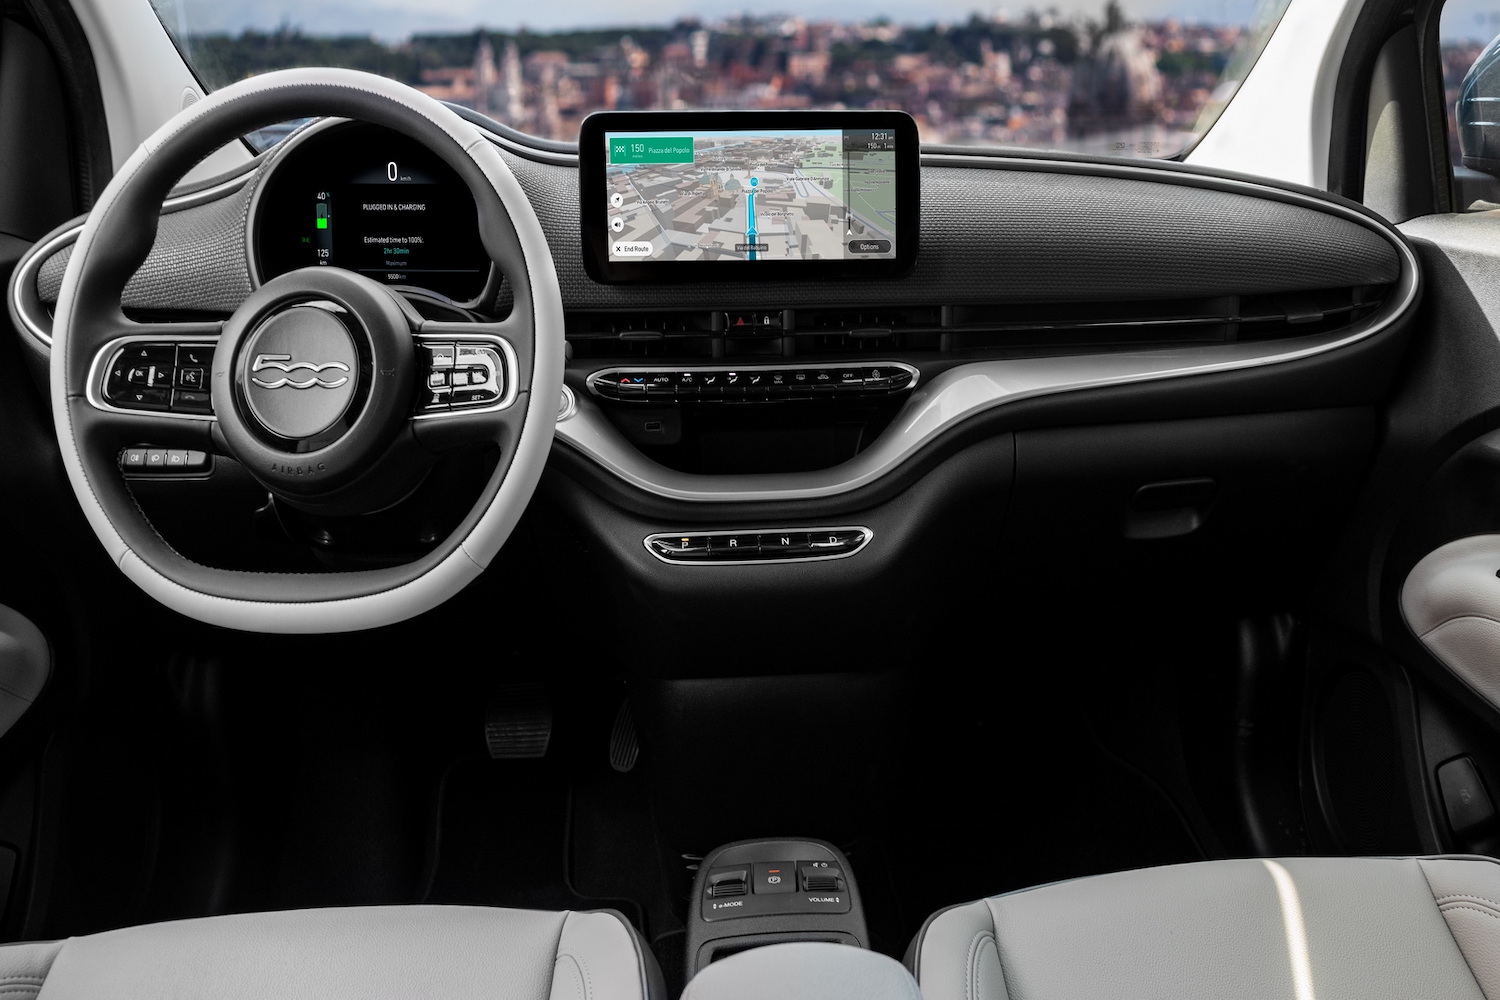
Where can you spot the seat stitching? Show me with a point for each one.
(1477, 909)
(1467, 895)
(1000, 955)
(582, 973)
(971, 967)
(1451, 936)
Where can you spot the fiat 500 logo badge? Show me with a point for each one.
(280, 363)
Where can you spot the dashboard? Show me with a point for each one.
(1117, 333)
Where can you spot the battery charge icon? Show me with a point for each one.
(322, 215)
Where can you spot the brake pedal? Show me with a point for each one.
(518, 722)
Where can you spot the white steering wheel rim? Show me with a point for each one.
(474, 551)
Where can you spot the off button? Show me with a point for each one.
(776, 876)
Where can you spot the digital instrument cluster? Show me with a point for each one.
(369, 200)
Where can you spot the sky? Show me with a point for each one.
(392, 20)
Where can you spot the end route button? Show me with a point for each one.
(622, 249)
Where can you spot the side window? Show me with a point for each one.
(1469, 36)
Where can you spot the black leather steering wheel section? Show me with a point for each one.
(313, 375)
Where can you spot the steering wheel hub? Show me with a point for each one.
(312, 385)
(302, 374)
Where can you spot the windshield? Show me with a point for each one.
(1124, 77)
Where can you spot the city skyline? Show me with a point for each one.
(396, 20)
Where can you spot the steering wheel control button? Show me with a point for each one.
(301, 369)
(777, 876)
(438, 355)
(458, 375)
(194, 379)
(767, 546)
(187, 401)
(160, 355)
(195, 356)
(164, 462)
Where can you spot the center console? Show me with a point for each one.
(753, 893)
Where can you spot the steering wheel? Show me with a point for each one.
(313, 379)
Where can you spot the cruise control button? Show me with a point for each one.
(439, 355)
(433, 399)
(473, 397)
(436, 380)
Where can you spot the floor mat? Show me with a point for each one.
(503, 840)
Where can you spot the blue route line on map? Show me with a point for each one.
(751, 236)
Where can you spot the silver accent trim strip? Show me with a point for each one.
(27, 272)
(865, 533)
(758, 366)
(954, 396)
(95, 391)
(512, 364)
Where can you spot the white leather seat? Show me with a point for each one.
(1298, 928)
(365, 953)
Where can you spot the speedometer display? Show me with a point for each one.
(375, 202)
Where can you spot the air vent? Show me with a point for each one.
(821, 883)
(630, 334)
(971, 330)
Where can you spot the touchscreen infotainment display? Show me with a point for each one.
(732, 195)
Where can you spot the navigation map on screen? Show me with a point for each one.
(796, 194)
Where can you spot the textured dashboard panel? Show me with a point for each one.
(988, 236)
(1013, 235)
(198, 263)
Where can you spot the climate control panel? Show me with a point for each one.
(720, 384)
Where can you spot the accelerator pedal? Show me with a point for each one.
(518, 722)
(624, 748)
